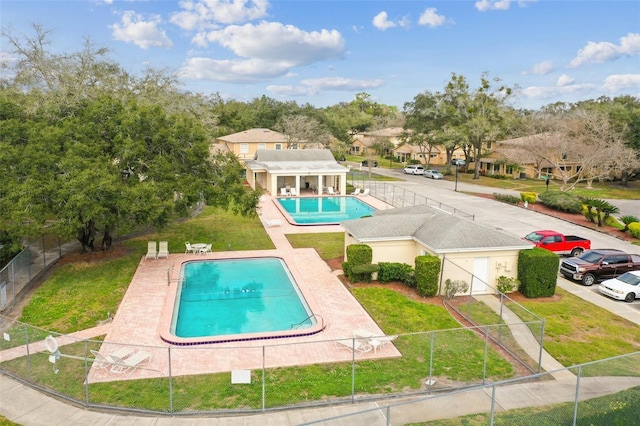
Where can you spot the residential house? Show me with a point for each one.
(363, 143)
(245, 144)
(304, 170)
(469, 251)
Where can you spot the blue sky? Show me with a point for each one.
(324, 52)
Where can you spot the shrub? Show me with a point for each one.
(506, 198)
(395, 271)
(364, 272)
(538, 272)
(427, 273)
(627, 220)
(357, 254)
(634, 229)
(561, 201)
(451, 288)
(507, 284)
(529, 197)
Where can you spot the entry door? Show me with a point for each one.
(480, 275)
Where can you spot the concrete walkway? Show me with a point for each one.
(25, 406)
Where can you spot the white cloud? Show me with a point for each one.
(381, 21)
(431, 18)
(617, 82)
(233, 71)
(484, 5)
(605, 51)
(317, 85)
(564, 80)
(275, 42)
(143, 33)
(541, 68)
(547, 92)
(201, 14)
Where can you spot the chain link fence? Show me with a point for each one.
(182, 380)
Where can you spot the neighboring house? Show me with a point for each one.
(305, 170)
(510, 158)
(471, 252)
(363, 143)
(406, 152)
(245, 144)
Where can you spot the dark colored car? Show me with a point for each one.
(374, 163)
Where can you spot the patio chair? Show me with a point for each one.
(330, 190)
(103, 361)
(206, 249)
(163, 250)
(130, 364)
(293, 192)
(272, 222)
(382, 341)
(152, 251)
(283, 191)
(189, 248)
(356, 192)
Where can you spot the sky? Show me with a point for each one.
(324, 52)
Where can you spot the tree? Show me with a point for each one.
(303, 132)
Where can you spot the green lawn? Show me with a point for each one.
(79, 295)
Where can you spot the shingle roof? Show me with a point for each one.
(437, 230)
(295, 161)
(254, 135)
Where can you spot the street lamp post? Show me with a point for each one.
(456, 188)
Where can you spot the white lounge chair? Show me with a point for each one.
(330, 191)
(374, 340)
(365, 192)
(152, 250)
(163, 250)
(283, 192)
(357, 346)
(189, 249)
(293, 192)
(105, 361)
(129, 365)
(356, 192)
(272, 222)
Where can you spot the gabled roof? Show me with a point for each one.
(254, 136)
(438, 231)
(295, 161)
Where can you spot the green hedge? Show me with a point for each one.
(357, 254)
(538, 272)
(561, 201)
(427, 275)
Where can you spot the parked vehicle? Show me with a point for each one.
(374, 163)
(558, 243)
(458, 162)
(433, 174)
(598, 265)
(626, 287)
(414, 169)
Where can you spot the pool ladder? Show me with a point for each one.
(298, 325)
(170, 272)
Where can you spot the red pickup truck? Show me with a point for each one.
(558, 243)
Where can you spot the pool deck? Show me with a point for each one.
(146, 310)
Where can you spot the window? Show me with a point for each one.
(278, 146)
(262, 146)
(488, 145)
(509, 170)
(244, 148)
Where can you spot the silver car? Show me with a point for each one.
(433, 174)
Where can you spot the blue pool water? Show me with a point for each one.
(324, 210)
(238, 296)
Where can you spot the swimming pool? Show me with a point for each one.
(324, 210)
(238, 299)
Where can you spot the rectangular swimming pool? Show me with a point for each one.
(324, 210)
(238, 299)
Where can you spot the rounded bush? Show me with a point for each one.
(561, 201)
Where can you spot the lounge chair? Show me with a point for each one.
(283, 192)
(356, 192)
(272, 222)
(104, 361)
(330, 191)
(163, 250)
(293, 192)
(132, 363)
(374, 340)
(357, 346)
(365, 192)
(152, 251)
(189, 248)
(206, 249)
